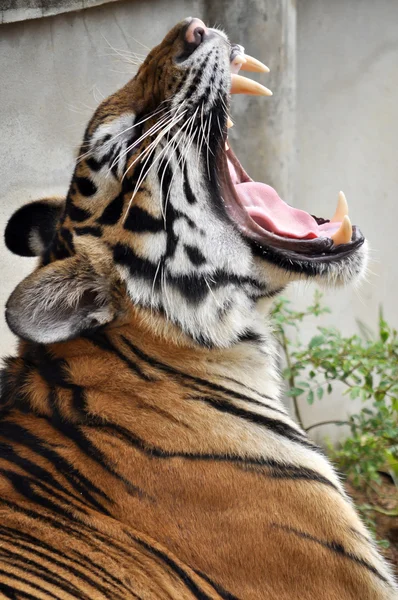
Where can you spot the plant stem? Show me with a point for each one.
(292, 384)
(326, 423)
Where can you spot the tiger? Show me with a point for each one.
(146, 452)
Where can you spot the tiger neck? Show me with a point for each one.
(140, 382)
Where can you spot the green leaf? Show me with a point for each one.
(319, 393)
(316, 341)
(294, 392)
(310, 397)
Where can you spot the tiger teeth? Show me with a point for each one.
(344, 233)
(242, 85)
(341, 210)
(229, 123)
(252, 64)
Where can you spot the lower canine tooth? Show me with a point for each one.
(242, 85)
(344, 233)
(341, 210)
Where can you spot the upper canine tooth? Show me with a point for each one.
(341, 210)
(229, 123)
(344, 233)
(252, 64)
(242, 85)
(240, 59)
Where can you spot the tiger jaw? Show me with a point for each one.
(275, 228)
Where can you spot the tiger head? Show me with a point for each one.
(161, 218)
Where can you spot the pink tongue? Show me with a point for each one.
(269, 211)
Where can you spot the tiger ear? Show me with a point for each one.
(60, 301)
(31, 228)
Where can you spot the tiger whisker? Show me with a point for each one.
(208, 146)
(212, 293)
(140, 43)
(158, 125)
(187, 134)
(169, 123)
(153, 164)
(189, 145)
(154, 283)
(115, 50)
(183, 157)
(188, 123)
(147, 153)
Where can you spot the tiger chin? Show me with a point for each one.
(145, 450)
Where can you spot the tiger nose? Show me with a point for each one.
(195, 32)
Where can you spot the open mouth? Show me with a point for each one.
(258, 211)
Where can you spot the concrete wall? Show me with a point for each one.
(21, 10)
(347, 132)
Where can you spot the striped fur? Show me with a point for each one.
(144, 450)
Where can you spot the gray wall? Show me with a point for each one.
(347, 132)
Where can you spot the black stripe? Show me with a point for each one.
(113, 212)
(36, 570)
(28, 488)
(225, 595)
(101, 341)
(95, 231)
(73, 527)
(181, 375)
(251, 389)
(11, 592)
(52, 371)
(187, 579)
(194, 287)
(8, 592)
(139, 220)
(85, 186)
(195, 255)
(8, 454)
(76, 213)
(61, 564)
(76, 434)
(275, 425)
(187, 188)
(333, 546)
(79, 482)
(277, 470)
(93, 164)
(83, 561)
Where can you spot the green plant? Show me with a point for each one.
(367, 366)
